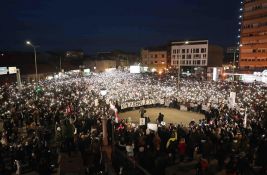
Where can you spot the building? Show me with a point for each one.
(155, 58)
(231, 54)
(189, 53)
(253, 37)
(106, 60)
(195, 56)
(74, 54)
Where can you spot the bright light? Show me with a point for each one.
(153, 70)
(28, 42)
(94, 68)
(135, 69)
(49, 77)
(160, 72)
(241, 45)
(187, 42)
(110, 69)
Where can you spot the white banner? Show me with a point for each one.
(133, 104)
(152, 126)
(183, 108)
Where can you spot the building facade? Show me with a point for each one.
(155, 58)
(189, 53)
(253, 37)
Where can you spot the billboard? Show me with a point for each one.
(3, 70)
(135, 69)
(86, 72)
(12, 70)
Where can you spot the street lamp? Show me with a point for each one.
(34, 49)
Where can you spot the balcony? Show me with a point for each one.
(253, 38)
(253, 55)
(254, 30)
(256, 19)
(254, 46)
(253, 63)
(250, 3)
(255, 12)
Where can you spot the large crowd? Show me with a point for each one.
(64, 115)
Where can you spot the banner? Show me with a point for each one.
(152, 126)
(133, 104)
(183, 108)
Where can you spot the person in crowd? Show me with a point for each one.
(65, 110)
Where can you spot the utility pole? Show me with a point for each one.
(18, 79)
(60, 68)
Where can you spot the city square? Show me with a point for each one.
(123, 96)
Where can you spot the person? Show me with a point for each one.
(160, 118)
(182, 149)
(142, 111)
(68, 134)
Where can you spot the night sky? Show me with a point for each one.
(104, 25)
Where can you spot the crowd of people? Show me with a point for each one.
(64, 114)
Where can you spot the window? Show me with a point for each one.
(254, 50)
(173, 56)
(156, 55)
(183, 50)
(197, 50)
(203, 50)
(188, 56)
(189, 62)
(194, 50)
(198, 62)
(174, 51)
(173, 62)
(187, 51)
(203, 62)
(156, 62)
(183, 56)
(162, 55)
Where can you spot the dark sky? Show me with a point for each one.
(103, 25)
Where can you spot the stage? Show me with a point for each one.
(170, 115)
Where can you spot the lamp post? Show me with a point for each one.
(34, 49)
